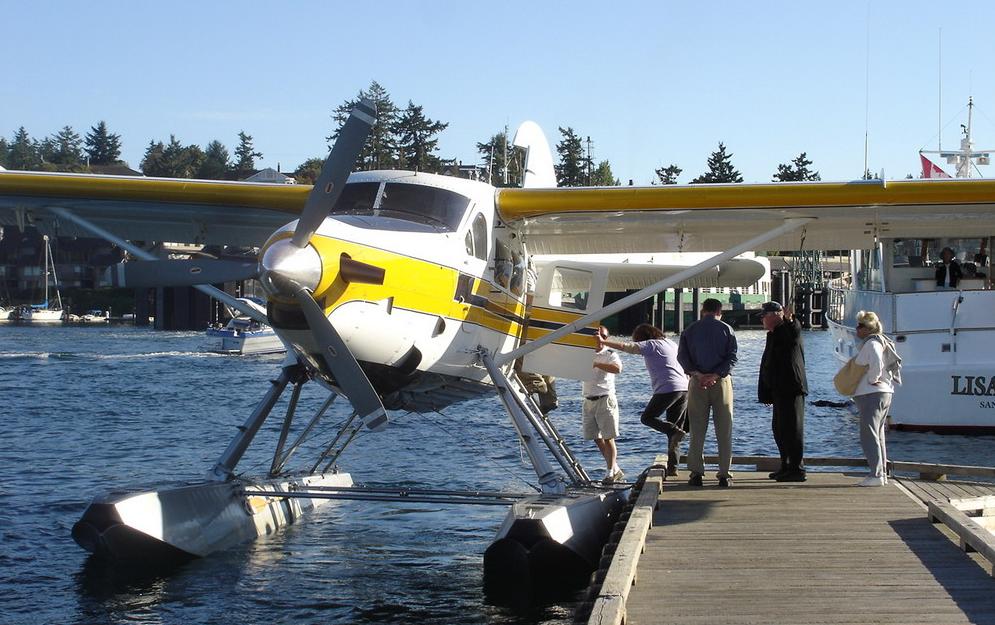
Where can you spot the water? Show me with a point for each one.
(86, 410)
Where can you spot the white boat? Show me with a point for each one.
(946, 337)
(44, 312)
(95, 316)
(243, 335)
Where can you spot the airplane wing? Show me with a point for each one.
(710, 217)
(139, 208)
(628, 276)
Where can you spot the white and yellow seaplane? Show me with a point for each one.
(408, 291)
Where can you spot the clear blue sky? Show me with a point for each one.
(651, 83)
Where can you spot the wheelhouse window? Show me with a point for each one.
(439, 208)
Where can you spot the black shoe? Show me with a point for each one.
(695, 480)
(773, 475)
(725, 482)
(671, 469)
(792, 476)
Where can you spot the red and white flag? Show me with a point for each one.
(931, 169)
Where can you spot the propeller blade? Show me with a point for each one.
(154, 273)
(335, 171)
(343, 365)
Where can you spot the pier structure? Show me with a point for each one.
(918, 550)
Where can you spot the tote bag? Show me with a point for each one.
(848, 377)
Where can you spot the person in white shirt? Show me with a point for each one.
(874, 393)
(600, 409)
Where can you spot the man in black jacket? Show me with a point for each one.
(783, 385)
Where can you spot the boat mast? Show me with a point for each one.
(55, 277)
(966, 157)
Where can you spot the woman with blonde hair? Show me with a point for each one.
(874, 393)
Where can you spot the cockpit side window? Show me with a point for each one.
(479, 232)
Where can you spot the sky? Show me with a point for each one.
(651, 83)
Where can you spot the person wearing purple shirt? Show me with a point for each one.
(670, 385)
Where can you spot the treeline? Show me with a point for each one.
(403, 138)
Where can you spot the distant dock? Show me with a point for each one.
(822, 551)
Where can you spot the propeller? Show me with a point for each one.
(343, 365)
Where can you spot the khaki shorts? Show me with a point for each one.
(600, 418)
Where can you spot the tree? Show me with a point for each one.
(216, 164)
(102, 147)
(380, 151)
(23, 152)
(245, 155)
(797, 171)
(669, 174)
(494, 153)
(172, 160)
(417, 140)
(720, 168)
(572, 168)
(64, 149)
(603, 176)
(3, 152)
(307, 172)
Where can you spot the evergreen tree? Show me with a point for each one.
(64, 150)
(3, 152)
(102, 147)
(572, 168)
(245, 155)
(417, 140)
(603, 176)
(307, 172)
(493, 153)
(797, 171)
(152, 163)
(23, 152)
(216, 164)
(380, 151)
(720, 168)
(669, 174)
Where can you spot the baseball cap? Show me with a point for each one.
(771, 307)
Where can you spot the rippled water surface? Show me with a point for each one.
(86, 410)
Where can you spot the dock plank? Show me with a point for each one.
(821, 552)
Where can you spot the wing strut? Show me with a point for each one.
(653, 289)
(216, 293)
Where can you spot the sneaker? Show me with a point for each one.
(615, 476)
(872, 480)
(725, 482)
(695, 480)
(791, 476)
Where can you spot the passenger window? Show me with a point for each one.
(570, 288)
(479, 231)
(504, 265)
(469, 244)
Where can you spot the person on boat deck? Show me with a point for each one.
(600, 410)
(783, 386)
(669, 382)
(708, 352)
(948, 272)
(874, 392)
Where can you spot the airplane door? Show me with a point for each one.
(565, 292)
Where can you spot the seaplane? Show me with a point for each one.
(401, 290)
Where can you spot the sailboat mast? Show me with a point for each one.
(45, 273)
(55, 277)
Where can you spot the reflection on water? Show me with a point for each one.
(87, 410)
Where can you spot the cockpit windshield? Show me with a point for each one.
(440, 208)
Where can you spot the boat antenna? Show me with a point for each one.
(867, 87)
(939, 89)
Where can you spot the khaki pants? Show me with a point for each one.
(718, 400)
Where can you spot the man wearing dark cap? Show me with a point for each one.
(783, 385)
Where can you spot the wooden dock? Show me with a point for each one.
(822, 551)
